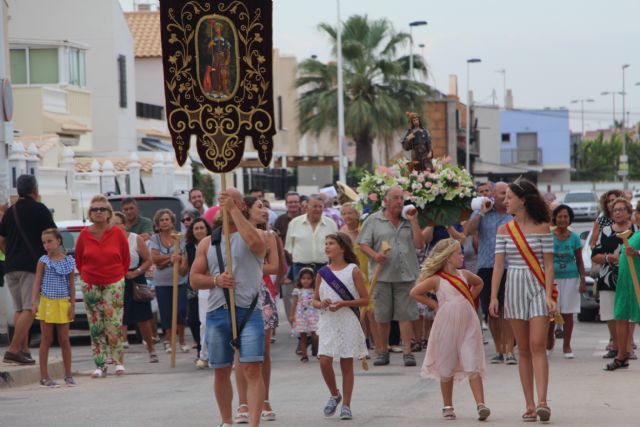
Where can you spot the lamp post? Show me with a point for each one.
(342, 170)
(467, 162)
(613, 105)
(411, 25)
(582, 101)
(624, 164)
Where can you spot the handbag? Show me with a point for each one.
(143, 293)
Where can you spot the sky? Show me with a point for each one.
(552, 51)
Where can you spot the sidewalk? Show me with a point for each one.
(14, 375)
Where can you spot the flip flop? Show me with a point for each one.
(530, 416)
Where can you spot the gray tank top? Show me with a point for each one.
(247, 272)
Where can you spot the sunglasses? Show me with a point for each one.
(99, 210)
(186, 219)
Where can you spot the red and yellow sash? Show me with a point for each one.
(459, 285)
(529, 256)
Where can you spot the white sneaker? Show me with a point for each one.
(99, 373)
(120, 370)
(569, 355)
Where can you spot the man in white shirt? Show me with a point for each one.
(305, 237)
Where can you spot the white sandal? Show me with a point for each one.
(448, 413)
(268, 415)
(120, 370)
(99, 373)
(242, 417)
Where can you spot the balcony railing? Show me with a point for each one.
(513, 156)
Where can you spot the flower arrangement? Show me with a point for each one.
(442, 196)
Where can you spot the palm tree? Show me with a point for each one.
(377, 88)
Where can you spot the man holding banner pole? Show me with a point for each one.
(248, 250)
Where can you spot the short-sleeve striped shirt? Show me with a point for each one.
(540, 243)
(55, 280)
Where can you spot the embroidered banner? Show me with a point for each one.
(529, 256)
(217, 58)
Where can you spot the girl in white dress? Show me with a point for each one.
(339, 291)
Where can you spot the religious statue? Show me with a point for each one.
(418, 140)
(221, 57)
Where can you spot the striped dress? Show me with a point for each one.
(525, 298)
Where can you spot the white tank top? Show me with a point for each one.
(133, 251)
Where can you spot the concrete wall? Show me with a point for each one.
(99, 24)
(149, 79)
(552, 127)
(489, 130)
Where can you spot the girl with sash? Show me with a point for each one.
(455, 349)
(339, 291)
(527, 244)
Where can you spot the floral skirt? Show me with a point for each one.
(269, 308)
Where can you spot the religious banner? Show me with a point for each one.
(217, 58)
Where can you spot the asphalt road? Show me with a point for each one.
(581, 393)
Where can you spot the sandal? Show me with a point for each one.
(543, 412)
(269, 415)
(616, 364)
(242, 417)
(448, 413)
(483, 412)
(153, 358)
(530, 416)
(416, 347)
(304, 359)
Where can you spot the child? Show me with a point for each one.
(455, 348)
(55, 289)
(339, 291)
(304, 316)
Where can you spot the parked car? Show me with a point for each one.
(149, 205)
(584, 204)
(589, 301)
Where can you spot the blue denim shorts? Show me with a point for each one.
(218, 337)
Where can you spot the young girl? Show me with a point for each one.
(304, 316)
(54, 288)
(455, 349)
(339, 291)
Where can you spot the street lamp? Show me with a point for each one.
(613, 104)
(467, 162)
(582, 101)
(342, 163)
(411, 25)
(623, 156)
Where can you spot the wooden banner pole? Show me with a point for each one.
(229, 266)
(174, 298)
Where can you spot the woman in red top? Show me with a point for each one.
(102, 258)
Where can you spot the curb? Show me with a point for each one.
(16, 375)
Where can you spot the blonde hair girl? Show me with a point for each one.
(455, 349)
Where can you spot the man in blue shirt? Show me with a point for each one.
(486, 222)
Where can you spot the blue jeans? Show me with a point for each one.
(218, 333)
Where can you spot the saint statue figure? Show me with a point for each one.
(418, 140)
(221, 58)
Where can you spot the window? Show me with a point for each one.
(77, 68)
(43, 66)
(122, 80)
(506, 138)
(18, 60)
(149, 111)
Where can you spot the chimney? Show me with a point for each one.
(453, 85)
(508, 101)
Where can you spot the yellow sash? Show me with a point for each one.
(459, 285)
(529, 256)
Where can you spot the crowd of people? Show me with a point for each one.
(321, 261)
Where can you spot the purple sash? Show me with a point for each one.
(339, 287)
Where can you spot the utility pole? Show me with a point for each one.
(342, 161)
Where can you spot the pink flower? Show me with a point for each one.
(386, 171)
(428, 185)
(373, 197)
(420, 178)
(446, 160)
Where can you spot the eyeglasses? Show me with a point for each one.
(618, 210)
(99, 210)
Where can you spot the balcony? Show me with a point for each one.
(520, 156)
